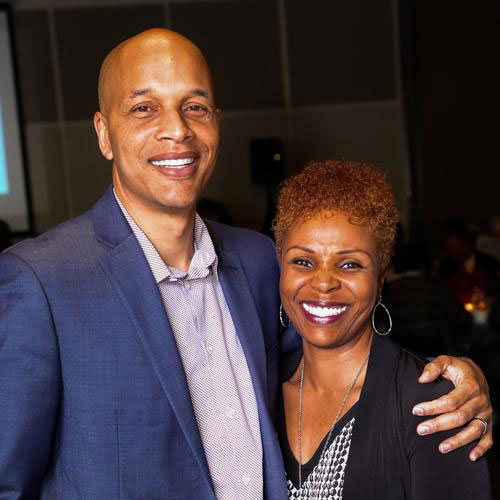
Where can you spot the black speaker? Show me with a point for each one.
(266, 160)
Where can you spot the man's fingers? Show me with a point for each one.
(443, 422)
(472, 432)
(485, 443)
(469, 399)
(434, 368)
(464, 414)
(450, 402)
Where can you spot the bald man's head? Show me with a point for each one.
(158, 121)
(136, 49)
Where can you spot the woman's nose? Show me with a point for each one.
(325, 280)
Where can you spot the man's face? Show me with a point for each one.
(458, 250)
(160, 126)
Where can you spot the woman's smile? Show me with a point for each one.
(323, 312)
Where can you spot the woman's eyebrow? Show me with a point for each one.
(298, 247)
(354, 250)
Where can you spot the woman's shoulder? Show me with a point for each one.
(409, 368)
(404, 391)
(403, 372)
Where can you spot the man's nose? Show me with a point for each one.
(173, 126)
(325, 280)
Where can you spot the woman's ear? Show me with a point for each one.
(381, 280)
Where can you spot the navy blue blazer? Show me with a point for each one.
(94, 403)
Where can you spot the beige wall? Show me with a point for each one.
(67, 171)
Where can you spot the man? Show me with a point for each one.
(139, 347)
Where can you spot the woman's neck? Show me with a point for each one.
(330, 370)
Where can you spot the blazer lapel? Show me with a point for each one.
(370, 415)
(249, 330)
(246, 320)
(129, 271)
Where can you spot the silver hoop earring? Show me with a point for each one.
(281, 318)
(379, 303)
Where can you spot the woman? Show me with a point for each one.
(347, 429)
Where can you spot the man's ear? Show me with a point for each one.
(101, 128)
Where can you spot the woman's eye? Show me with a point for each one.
(351, 265)
(302, 262)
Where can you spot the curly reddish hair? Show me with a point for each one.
(353, 189)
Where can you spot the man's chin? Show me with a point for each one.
(177, 206)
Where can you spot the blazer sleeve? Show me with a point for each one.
(30, 382)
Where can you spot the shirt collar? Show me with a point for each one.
(204, 259)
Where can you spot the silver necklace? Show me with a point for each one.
(346, 395)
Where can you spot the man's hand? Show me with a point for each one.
(468, 400)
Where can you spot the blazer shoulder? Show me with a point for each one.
(64, 241)
(239, 240)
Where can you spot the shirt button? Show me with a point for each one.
(246, 479)
(210, 348)
(206, 258)
(230, 412)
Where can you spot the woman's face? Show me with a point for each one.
(330, 280)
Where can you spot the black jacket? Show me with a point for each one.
(388, 460)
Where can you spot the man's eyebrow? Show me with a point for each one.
(141, 92)
(138, 93)
(200, 93)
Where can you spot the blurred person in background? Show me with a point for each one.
(215, 211)
(427, 317)
(489, 242)
(469, 273)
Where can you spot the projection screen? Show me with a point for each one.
(14, 208)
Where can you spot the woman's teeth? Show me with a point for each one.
(173, 163)
(323, 312)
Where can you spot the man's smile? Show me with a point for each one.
(179, 165)
(174, 160)
(173, 163)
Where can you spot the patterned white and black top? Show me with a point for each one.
(321, 479)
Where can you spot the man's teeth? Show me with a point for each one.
(323, 312)
(173, 163)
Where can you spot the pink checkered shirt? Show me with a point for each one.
(216, 369)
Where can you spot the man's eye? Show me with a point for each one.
(196, 111)
(142, 109)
